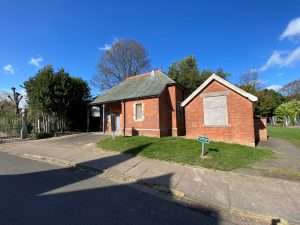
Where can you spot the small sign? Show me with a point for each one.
(203, 140)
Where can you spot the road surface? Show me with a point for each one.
(33, 192)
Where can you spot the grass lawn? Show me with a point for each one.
(219, 155)
(291, 134)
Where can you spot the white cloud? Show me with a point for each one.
(282, 59)
(105, 47)
(274, 87)
(108, 46)
(9, 68)
(36, 61)
(292, 31)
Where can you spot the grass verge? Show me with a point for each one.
(218, 155)
(291, 134)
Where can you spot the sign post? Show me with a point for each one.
(203, 140)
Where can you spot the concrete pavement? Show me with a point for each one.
(227, 191)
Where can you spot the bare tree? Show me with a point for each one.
(250, 80)
(125, 58)
(5, 104)
(15, 99)
(291, 90)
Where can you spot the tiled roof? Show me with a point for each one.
(146, 85)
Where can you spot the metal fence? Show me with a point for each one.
(10, 126)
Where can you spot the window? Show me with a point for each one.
(139, 111)
(179, 111)
(215, 110)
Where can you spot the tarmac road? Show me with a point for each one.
(33, 192)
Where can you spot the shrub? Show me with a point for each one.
(291, 109)
(41, 135)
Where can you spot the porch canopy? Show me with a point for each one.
(141, 86)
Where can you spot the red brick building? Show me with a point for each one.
(220, 111)
(146, 104)
(152, 104)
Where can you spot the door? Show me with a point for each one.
(117, 120)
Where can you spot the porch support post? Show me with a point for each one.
(103, 117)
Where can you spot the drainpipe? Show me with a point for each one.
(124, 118)
(103, 113)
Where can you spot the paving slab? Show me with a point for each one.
(190, 187)
(215, 192)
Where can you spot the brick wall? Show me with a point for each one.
(240, 127)
(149, 125)
(181, 95)
(165, 113)
(260, 127)
(171, 121)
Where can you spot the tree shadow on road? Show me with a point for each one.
(64, 196)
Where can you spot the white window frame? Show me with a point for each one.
(134, 111)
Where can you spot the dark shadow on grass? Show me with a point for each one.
(137, 150)
(210, 150)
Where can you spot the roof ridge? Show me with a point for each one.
(143, 74)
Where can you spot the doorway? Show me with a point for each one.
(117, 120)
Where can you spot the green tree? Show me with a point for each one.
(206, 73)
(187, 73)
(52, 94)
(268, 101)
(40, 95)
(76, 111)
(291, 109)
(61, 97)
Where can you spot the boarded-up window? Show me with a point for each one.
(215, 111)
(139, 111)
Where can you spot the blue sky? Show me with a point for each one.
(234, 35)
